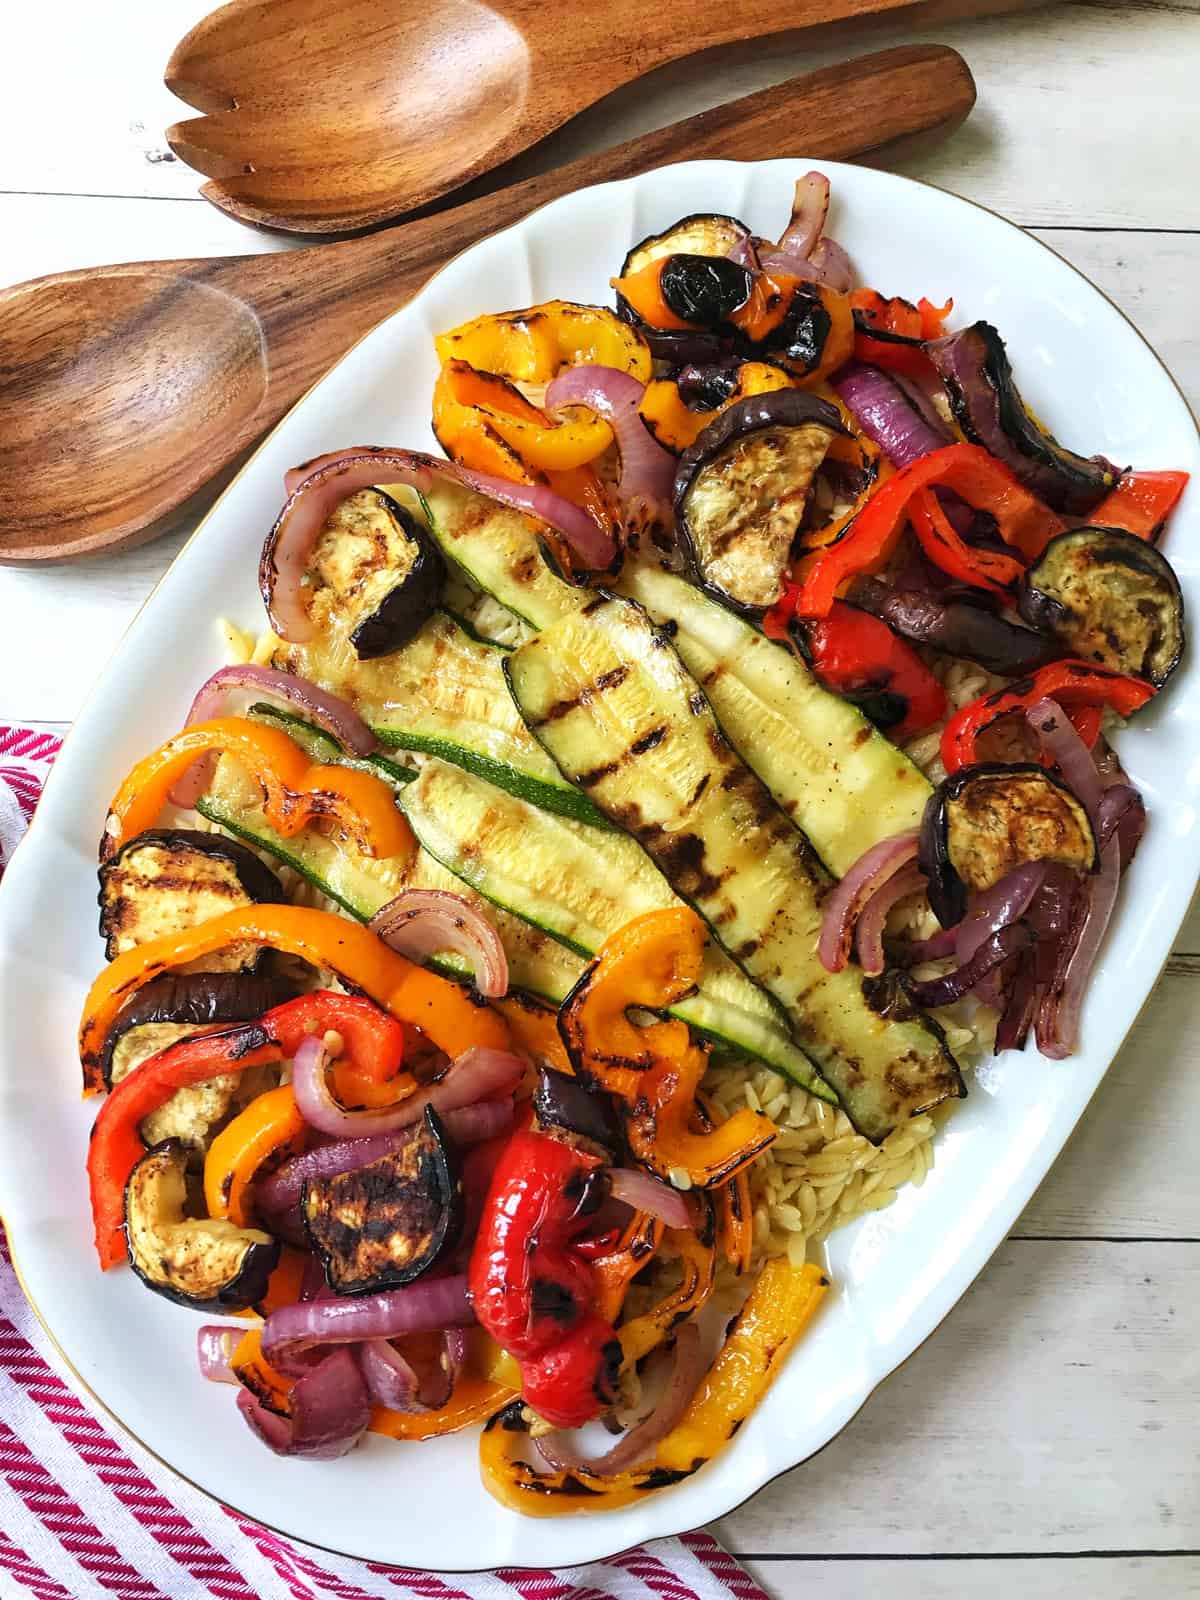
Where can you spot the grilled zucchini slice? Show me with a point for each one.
(842, 783)
(579, 886)
(380, 1226)
(363, 885)
(611, 701)
(444, 694)
(170, 879)
(206, 1263)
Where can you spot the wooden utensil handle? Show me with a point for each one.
(315, 303)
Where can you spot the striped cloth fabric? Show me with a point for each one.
(87, 1514)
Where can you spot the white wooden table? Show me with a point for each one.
(1044, 1441)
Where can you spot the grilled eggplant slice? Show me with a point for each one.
(960, 627)
(382, 1225)
(609, 698)
(741, 489)
(704, 233)
(1109, 597)
(189, 1001)
(563, 1100)
(986, 820)
(987, 405)
(375, 574)
(202, 1262)
(171, 879)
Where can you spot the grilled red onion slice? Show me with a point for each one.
(1057, 1023)
(330, 1412)
(215, 1344)
(422, 1307)
(647, 470)
(394, 1382)
(466, 1126)
(1020, 1006)
(1074, 760)
(421, 921)
(997, 948)
(886, 413)
(644, 1193)
(846, 901)
(326, 710)
(1005, 902)
(869, 933)
(1121, 811)
(332, 478)
(477, 1074)
(640, 1443)
(810, 207)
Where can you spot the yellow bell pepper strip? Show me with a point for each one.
(1140, 502)
(868, 542)
(442, 1010)
(542, 442)
(780, 1306)
(697, 1255)
(469, 434)
(735, 1221)
(650, 963)
(271, 1125)
(297, 789)
(778, 1309)
(534, 345)
(677, 427)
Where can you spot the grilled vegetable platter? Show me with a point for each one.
(731, 693)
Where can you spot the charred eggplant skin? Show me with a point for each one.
(1110, 597)
(197, 1000)
(412, 602)
(779, 410)
(960, 628)
(192, 868)
(383, 1224)
(987, 405)
(209, 1266)
(563, 1101)
(987, 819)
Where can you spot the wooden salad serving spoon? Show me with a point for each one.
(327, 116)
(124, 389)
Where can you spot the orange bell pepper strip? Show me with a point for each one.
(698, 1260)
(867, 544)
(473, 436)
(285, 1283)
(771, 300)
(542, 442)
(442, 1010)
(777, 1310)
(297, 790)
(677, 428)
(1140, 502)
(533, 346)
(475, 1399)
(534, 1031)
(1075, 685)
(271, 1125)
(735, 1222)
(251, 1369)
(649, 963)
(613, 1272)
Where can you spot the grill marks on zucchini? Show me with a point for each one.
(580, 886)
(841, 782)
(363, 885)
(443, 694)
(719, 838)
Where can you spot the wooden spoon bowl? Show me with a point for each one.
(329, 116)
(123, 390)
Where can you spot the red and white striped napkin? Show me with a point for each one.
(87, 1514)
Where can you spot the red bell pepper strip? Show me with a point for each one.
(907, 324)
(1074, 684)
(851, 651)
(116, 1146)
(978, 478)
(946, 548)
(532, 1292)
(1140, 502)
